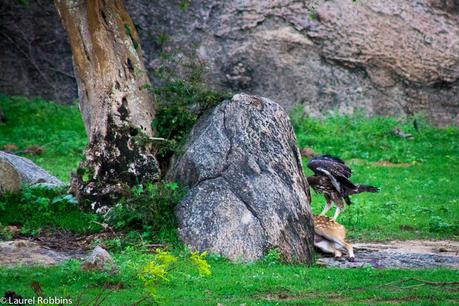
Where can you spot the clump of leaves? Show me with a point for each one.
(199, 261)
(34, 208)
(149, 208)
(439, 225)
(179, 105)
(5, 234)
(158, 269)
(273, 257)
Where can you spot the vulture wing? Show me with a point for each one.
(332, 164)
(335, 169)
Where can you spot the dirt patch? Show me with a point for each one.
(389, 164)
(68, 242)
(286, 295)
(381, 163)
(48, 248)
(410, 254)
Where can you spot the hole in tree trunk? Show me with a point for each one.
(123, 110)
(129, 64)
(133, 131)
(104, 17)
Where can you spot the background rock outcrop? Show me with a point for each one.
(384, 57)
(248, 193)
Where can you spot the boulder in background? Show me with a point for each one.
(16, 171)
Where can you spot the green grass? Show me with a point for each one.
(234, 284)
(37, 208)
(58, 129)
(418, 199)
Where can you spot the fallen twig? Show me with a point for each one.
(105, 226)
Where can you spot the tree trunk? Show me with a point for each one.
(116, 106)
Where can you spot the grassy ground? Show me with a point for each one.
(418, 199)
(58, 129)
(263, 283)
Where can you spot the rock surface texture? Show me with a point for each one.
(26, 252)
(99, 260)
(247, 192)
(16, 170)
(385, 57)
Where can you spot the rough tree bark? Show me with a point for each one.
(117, 108)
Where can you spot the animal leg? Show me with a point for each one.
(339, 205)
(347, 246)
(325, 246)
(338, 253)
(337, 212)
(327, 206)
(350, 250)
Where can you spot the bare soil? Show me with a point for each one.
(409, 254)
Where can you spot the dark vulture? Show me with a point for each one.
(331, 178)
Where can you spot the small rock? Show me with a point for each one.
(99, 260)
(14, 230)
(442, 250)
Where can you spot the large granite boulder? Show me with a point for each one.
(384, 57)
(248, 193)
(16, 171)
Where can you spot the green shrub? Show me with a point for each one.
(273, 257)
(439, 225)
(159, 268)
(179, 105)
(150, 209)
(35, 208)
(5, 234)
